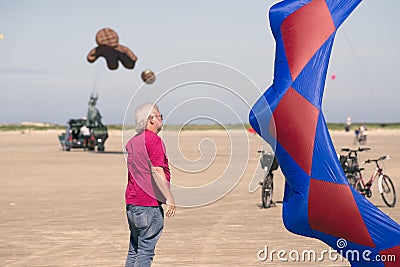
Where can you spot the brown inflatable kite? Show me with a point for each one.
(148, 76)
(109, 48)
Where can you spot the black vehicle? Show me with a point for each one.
(74, 138)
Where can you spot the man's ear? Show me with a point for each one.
(151, 119)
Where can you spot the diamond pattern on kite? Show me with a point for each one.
(303, 33)
(295, 121)
(388, 254)
(328, 215)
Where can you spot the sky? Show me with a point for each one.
(212, 59)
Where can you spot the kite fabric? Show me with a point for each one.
(318, 201)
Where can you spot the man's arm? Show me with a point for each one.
(162, 184)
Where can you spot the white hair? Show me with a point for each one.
(142, 114)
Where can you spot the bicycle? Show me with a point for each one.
(385, 184)
(350, 163)
(269, 163)
(360, 136)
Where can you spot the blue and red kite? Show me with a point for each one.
(318, 201)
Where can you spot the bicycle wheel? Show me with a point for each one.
(359, 186)
(388, 192)
(267, 190)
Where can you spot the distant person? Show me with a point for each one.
(85, 133)
(356, 136)
(363, 134)
(348, 124)
(148, 186)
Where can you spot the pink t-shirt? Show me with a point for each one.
(144, 149)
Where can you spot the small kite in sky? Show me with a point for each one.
(148, 76)
(318, 200)
(109, 48)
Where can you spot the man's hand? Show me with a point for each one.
(170, 208)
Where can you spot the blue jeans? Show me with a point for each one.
(146, 225)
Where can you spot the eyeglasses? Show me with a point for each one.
(161, 116)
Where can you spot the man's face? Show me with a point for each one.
(157, 120)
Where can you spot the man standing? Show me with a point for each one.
(85, 132)
(148, 186)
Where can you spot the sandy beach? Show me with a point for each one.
(62, 208)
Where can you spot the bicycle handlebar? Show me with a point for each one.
(360, 149)
(376, 160)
